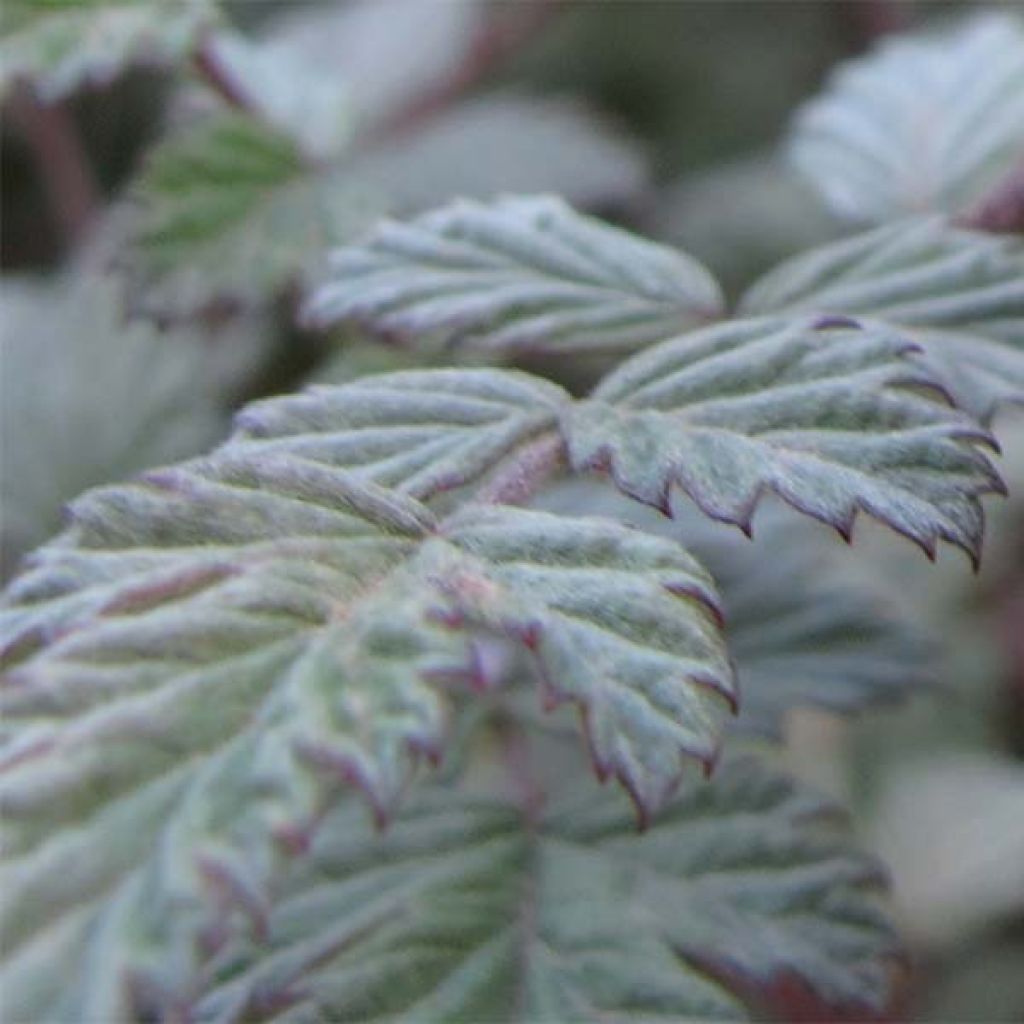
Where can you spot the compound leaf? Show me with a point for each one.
(827, 414)
(207, 656)
(518, 274)
(925, 123)
(470, 909)
(231, 208)
(61, 46)
(958, 294)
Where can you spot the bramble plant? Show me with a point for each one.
(307, 728)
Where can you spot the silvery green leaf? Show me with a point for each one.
(61, 46)
(828, 414)
(505, 143)
(65, 355)
(472, 909)
(958, 294)
(927, 122)
(231, 208)
(209, 656)
(516, 275)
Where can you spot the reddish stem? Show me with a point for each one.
(64, 167)
(1002, 209)
(521, 478)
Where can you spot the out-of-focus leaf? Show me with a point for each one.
(204, 660)
(505, 143)
(518, 275)
(958, 294)
(231, 208)
(301, 100)
(742, 217)
(387, 51)
(921, 123)
(830, 416)
(60, 45)
(472, 910)
(88, 399)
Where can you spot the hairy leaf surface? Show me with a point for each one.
(828, 415)
(804, 630)
(470, 910)
(959, 294)
(60, 46)
(519, 274)
(230, 207)
(925, 123)
(208, 656)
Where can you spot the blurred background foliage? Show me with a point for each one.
(665, 116)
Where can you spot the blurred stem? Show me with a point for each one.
(499, 37)
(217, 77)
(64, 168)
(1002, 210)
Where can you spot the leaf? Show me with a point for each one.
(470, 910)
(516, 275)
(828, 415)
(922, 123)
(958, 294)
(803, 629)
(65, 352)
(231, 208)
(505, 143)
(309, 104)
(61, 46)
(208, 656)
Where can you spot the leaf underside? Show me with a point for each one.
(925, 123)
(958, 294)
(515, 275)
(214, 652)
(829, 415)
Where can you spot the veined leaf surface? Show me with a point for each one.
(519, 274)
(959, 294)
(208, 656)
(827, 414)
(472, 910)
(922, 123)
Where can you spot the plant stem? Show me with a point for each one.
(531, 467)
(64, 167)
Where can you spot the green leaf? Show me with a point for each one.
(469, 909)
(230, 207)
(828, 415)
(804, 630)
(505, 143)
(208, 656)
(922, 123)
(65, 351)
(958, 294)
(519, 274)
(61, 45)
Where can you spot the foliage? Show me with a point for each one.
(307, 728)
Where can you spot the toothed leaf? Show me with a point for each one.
(830, 417)
(518, 274)
(60, 46)
(207, 657)
(921, 123)
(231, 208)
(958, 294)
(574, 916)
